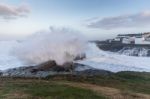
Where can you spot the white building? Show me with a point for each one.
(143, 38)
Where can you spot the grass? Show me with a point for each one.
(126, 81)
(35, 89)
(127, 84)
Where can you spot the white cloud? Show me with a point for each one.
(13, 12)
(124, 21)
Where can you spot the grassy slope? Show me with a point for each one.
(73, 87)
(40, 89)
(127, 81)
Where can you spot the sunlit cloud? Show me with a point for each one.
(8, 12)
(123, 21)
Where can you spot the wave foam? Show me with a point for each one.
(61, 45)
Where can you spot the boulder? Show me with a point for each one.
(80, 57)
(52, 66)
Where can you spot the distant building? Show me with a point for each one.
(140, 38)
(146, 36)
(130, 35)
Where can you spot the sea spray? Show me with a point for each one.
(61, 45)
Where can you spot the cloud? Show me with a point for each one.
(124, 21)
(8, 12)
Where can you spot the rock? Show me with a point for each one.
(80, 57)
(1, 73)
(50, 68)
(47, 66)
(127, 49)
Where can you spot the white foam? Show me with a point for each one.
(113, 62)
(96, 58)
(6, 60)
(60, 45)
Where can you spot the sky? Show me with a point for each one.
(97, 19)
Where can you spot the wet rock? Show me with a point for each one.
(47, 66)
(80, 57)
(46, 69)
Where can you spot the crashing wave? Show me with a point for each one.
(113, 62)
(135, 51)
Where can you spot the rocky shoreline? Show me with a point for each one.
(49, 69)
(126, 49)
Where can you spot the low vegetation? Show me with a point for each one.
(125, 85)
(130, 81)
(41, 89)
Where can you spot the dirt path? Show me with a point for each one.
(112, 93)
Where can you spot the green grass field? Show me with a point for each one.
(130, 81)
(124, 85)
(41, 89)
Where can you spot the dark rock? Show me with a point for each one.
(52, 66)
(46, 66)
(58, 69)
(127, 49)
(1, 73)
(80, 57)
(45, 70)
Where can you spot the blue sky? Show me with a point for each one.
(95, 18)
